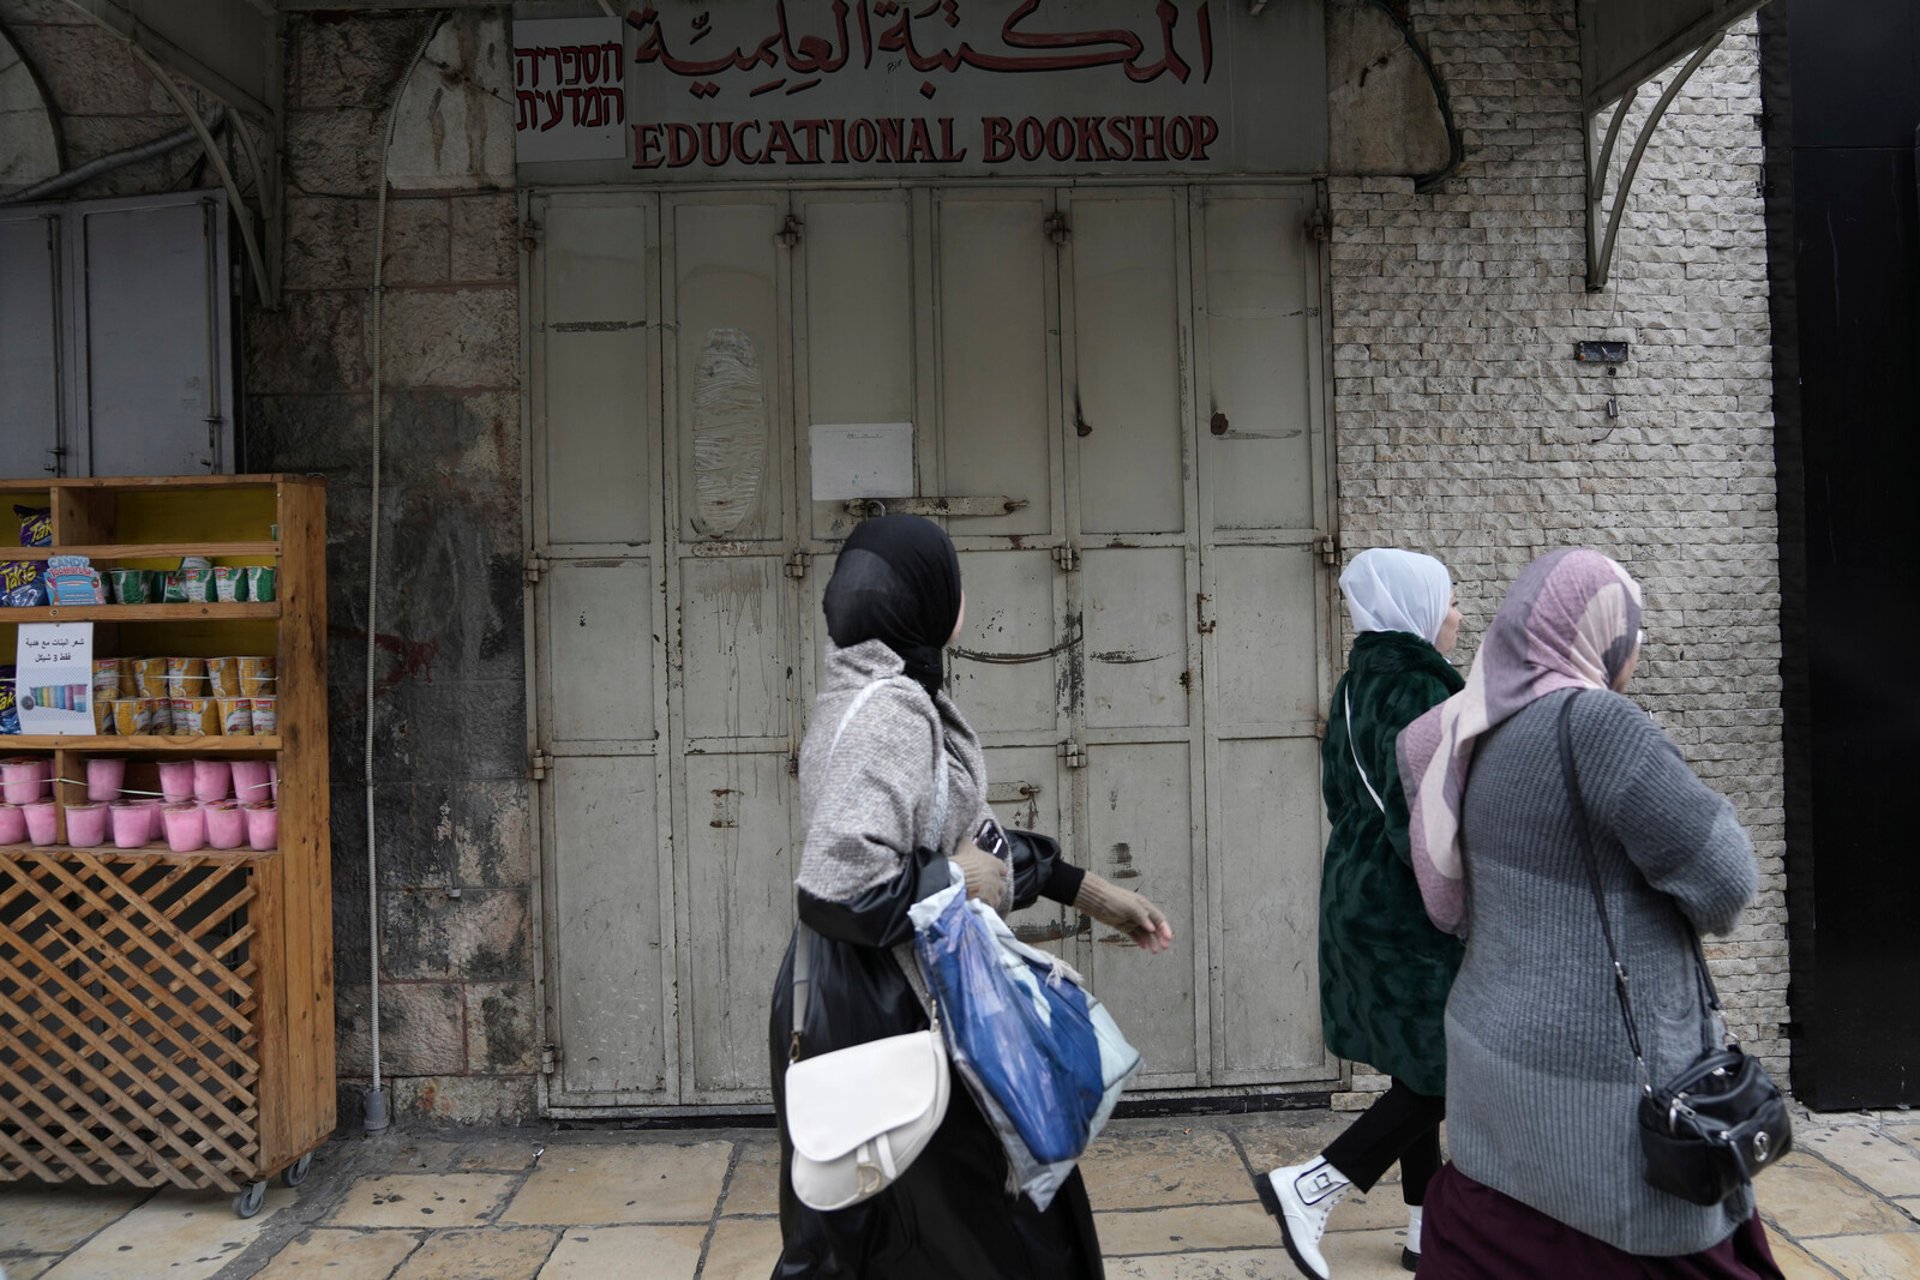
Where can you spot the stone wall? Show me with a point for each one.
(452, 807)
(1464, 427)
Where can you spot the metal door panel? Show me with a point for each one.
(609, 999)
(158, 391)
(998, 403)
(29, 355)
(594, 392)
(1023, 794)
(1137, 623)
(1006, 663)
(729, 369)
(1139, 834)
(738, 667)
(1260, 342)
(600, 655)
(1268, 905)
(740, 862)
(1264, 670)
(602, 278)
(1128, 335)
(854, 292)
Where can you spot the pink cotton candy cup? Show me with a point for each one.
(176, 780)
(13, 824)
(226, 824)
(105, 777)
(186, 827)
(132, 823)
(251, 781)
(263, 826)
(156, 814)
(86, 825)
(212, 780)
(40, 821)
(23, 780)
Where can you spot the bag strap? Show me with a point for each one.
(803, 941)
(1709, 994)
(1574, 798)
(1356, 754)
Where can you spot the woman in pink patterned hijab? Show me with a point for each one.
(1571, 620)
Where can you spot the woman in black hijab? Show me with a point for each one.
(878, 839)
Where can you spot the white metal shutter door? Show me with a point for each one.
(996, 352)
(608, 905)
(154, 376)
(29, 335)
(1263, 497)
(1137, 710)
(736, 646)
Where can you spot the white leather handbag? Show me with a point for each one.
(857, 1117)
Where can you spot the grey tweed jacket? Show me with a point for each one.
(1541, 1086)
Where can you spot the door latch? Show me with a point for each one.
(1329, 548)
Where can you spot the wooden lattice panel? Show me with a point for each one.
(128, 1048)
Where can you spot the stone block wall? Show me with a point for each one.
(452, 811)
(1464, 427)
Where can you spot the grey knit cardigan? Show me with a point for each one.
(1541, 1086)
(868, 802)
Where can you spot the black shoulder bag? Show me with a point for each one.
(1707, 1132)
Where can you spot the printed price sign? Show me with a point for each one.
(53, 677)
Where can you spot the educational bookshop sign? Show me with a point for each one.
(781, 90)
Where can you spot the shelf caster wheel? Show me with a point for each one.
(296, 1173)
(248, 1202)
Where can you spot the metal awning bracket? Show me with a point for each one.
(1604, 218)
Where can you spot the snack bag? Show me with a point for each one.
(21, 581)
(9, 715)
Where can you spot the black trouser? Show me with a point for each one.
(1402, 1125)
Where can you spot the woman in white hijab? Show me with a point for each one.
(1384, 968)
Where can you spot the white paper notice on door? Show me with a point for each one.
(862, 460)
(53, 677)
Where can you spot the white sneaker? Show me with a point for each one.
(1300, 1197)
(1410, 1254)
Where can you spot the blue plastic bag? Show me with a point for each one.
(1021, 1030)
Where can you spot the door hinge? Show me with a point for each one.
(1320, 225)
(1057, 229)
(797, 564)
(530, 235)
(1073, 753)
(539, 766)
(1201, 622)
(1329, 548)
(1067, 557)
(789, 233)
(550, 1056)
(535, 566)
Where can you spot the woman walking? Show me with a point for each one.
(1384, 969)
(1546, 1175)
(869, 811)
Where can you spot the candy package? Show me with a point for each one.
(22, 581)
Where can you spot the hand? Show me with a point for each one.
(1131, 913)
(988, 878)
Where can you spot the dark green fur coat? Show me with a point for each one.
(1384, 969)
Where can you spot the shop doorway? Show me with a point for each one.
(1118, 389)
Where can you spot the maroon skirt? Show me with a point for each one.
(1472, 1232)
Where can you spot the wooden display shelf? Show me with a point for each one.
(182, 1003)
(187, 611)
(116, 551)
(169, 744)
(157, 850)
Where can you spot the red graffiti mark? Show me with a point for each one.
(413, 657)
